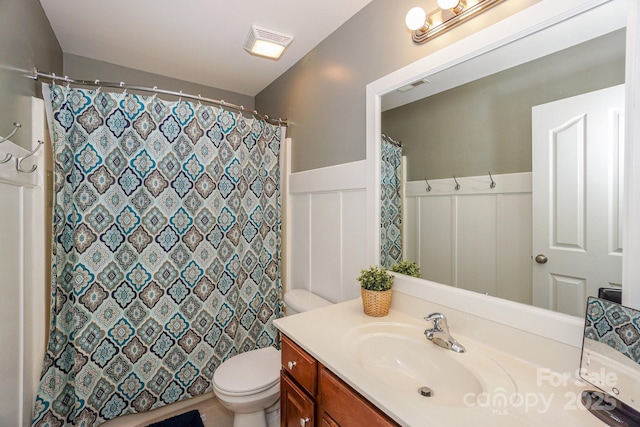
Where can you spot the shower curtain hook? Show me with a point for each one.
(180, 98)
(124, 91)
(428, 185)
(53, 79)
(199, 100)
(457, 187)
(493, 183)
(155, 92)
(97, 82)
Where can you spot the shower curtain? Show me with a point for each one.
(390, 203)
(166, 253)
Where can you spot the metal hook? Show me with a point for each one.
(493, 183)
(20, 159)
(428, 185)
(16, 126)
(66, 78)
(457, 185)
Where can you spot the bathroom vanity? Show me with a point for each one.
(307, 385)
(343, 368)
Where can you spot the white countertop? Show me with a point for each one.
(543, 398)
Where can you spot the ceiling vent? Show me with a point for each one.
(265, 42)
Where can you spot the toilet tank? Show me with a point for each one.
(300, 300)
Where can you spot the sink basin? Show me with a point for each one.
(400, 356)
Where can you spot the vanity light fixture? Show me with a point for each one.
(425, 26)
(267, 43)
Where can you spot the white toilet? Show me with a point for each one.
(249, 384)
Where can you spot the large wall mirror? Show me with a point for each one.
(544, 115)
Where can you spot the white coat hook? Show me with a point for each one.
(19, 160)
(457, 187)
(493, 183)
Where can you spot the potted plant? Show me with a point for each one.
(408, 268)
(375, 288)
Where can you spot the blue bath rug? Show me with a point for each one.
(188, 419)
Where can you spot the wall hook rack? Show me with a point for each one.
(19, 160)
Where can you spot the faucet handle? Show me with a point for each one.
(435, 316)
(439, 322)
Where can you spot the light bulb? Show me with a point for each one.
(415, 18)
(448, 4)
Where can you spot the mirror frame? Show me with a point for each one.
(557, 326)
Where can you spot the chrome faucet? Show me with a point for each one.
(440, 335)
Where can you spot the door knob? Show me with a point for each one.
(541, 259)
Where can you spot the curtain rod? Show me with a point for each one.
(37, 75)
(392, 141)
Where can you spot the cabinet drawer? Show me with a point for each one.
(341, 405)
(296, 408)
(300, 365)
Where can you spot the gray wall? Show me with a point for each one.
(27, 41)
(486, 125)
(82, 68)
(323, 95)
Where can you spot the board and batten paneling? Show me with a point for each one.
(326, 233)
(22, 276)
(476, 238)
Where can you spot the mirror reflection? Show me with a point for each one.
(608, 360)
(510, 183)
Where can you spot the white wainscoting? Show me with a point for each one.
(22, 276)
(325, 230)
(476, 238)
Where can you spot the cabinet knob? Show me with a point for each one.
(304, 421)
(292, 365)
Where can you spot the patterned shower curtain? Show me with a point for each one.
(390, 203)
(166, 253)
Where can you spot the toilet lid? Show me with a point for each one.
(252, 371)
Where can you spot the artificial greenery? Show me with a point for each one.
(375, 279)
(409, 268)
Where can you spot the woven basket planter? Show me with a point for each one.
(376, 303)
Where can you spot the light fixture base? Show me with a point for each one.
(422, 35)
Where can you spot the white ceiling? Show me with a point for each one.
(200, 41)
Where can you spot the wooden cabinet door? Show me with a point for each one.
(341, 406)
(296, 408)
(327, 421)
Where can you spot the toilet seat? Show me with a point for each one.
(248, 373)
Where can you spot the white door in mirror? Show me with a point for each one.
(577, 144)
